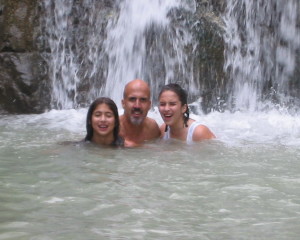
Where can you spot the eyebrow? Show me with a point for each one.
(169, 101)
(131, 97)
(98, 111)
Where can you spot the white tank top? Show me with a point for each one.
(189, 137)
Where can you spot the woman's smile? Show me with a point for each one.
(171, 108)
(103, 120)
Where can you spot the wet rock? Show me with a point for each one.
(23, 86)
(19, 23)
(208, 30)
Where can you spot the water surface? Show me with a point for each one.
(244, 185)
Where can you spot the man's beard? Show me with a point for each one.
(137, 121)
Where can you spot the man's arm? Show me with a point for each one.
(153, 130)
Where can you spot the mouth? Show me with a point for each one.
(103, 127)
(167, 117)
(137, 112)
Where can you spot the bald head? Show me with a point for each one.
(136, 101)
(136, 84)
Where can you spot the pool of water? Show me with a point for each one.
(244, 185)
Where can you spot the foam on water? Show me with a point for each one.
(163, 190)
(230, 128)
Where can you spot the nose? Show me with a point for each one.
(102, 118)
(167, 107)
(137, 103)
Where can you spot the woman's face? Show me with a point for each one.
(170, 108)
(103, 120)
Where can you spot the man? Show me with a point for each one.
(136, 127)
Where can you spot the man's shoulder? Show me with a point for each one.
(149, 120)
(151, 127)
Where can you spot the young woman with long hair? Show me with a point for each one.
(174, 111)
(102, 123)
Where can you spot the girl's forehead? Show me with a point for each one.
(103, 107)
(170, 94)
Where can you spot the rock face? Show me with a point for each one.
(26, 76)
(25, 81)
(23, 78)
(18, 22)
(208, 65)
(23, 86)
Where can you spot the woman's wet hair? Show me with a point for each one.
(182, 94)
(113, 107)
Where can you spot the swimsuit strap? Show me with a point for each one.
(167, 134)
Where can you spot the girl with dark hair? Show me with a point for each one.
(174, 111)
(102, 123)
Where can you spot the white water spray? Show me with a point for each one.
(262, 38)
(126, 45)
(63, 67)
(139, 39)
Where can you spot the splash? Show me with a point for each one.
(91, 55)
(142, 43)
(262, 39)
(63, 65)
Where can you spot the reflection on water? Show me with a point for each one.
(245, 185)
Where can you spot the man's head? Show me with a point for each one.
(136, 101)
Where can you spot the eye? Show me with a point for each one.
(162, 104)
(96, 114)
(143, 100)
(109, 115)
(132, 99)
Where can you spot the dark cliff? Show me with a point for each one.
(25, 85)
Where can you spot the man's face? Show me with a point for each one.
(136, 103)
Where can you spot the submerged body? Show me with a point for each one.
(175, 113)
(102, 123)
(136, 127)
(44, 182)
(191, 135)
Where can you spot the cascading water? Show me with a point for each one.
(141, 43)
(97, 56)
(63, 66)
(262, 39)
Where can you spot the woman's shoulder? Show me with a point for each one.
(202, 132)
(151, 128)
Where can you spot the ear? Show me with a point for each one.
(123, 104)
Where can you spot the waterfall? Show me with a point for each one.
(141, 43)
(262, 40)
(62, 60)
(74, 36)
(95, 48)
